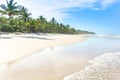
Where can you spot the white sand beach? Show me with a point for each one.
(13, 47)
(40, 57)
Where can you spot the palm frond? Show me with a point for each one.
(14, 3)
(3, 12)
(11, 2)
(16, 12)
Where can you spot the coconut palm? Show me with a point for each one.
(41, 23)
(53, 23)
(25, 17)
(10, 9)
(24, 14)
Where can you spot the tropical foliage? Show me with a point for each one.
(10, 9)
(19, 20)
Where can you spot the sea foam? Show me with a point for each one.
(104, 67)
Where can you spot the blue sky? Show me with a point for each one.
(100, 16)
(100, 21)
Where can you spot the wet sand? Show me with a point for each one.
(34, 68)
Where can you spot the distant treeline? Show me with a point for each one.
(20, 20)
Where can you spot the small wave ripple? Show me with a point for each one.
(104, 67)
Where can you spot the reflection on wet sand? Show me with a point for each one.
(43, 66)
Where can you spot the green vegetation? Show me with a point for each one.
(19, 20)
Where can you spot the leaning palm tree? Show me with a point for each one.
(10, 9)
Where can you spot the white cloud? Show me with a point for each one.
(58, 8)
(106, 3)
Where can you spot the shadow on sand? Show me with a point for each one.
(31, 37)
(6, 38)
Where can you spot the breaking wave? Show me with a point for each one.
(104, 67)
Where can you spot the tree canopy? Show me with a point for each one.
(20, 20)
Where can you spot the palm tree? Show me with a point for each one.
(10, 9)
(53, 21)
(25, 17)
(42, 19)
(41, 23)
(53, 25)
(24, 14)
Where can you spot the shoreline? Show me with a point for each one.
(108, 62)
(15, 47)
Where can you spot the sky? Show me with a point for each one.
(99, 16)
